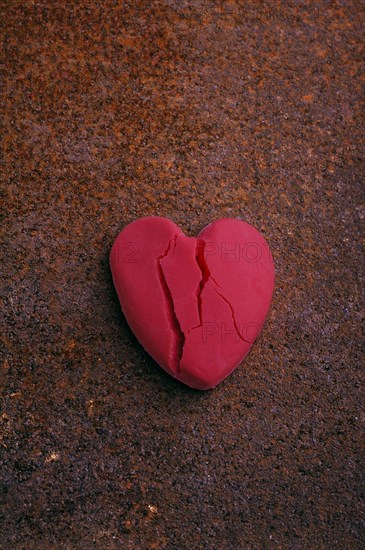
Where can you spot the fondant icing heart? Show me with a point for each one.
(195, 304)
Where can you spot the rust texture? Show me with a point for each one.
(193, 110)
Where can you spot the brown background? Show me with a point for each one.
(193, 110)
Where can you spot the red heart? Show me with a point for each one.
(195, 304)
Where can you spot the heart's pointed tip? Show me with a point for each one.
(197, 385)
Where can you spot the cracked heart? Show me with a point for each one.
(195, 304)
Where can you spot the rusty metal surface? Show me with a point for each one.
(195, 111)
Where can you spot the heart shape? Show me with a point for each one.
(195, 304)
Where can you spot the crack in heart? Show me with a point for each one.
(178, 346)
(206, 275)
(233, 316)
(202, 264)
(179, 335)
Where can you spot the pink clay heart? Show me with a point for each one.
(195, 304)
